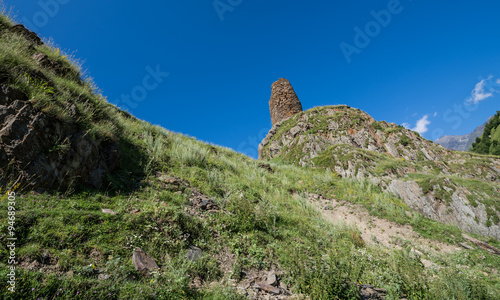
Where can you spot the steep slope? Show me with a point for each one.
(176, 218)
(54, 130)
(489, 142)
(462, 142)
(451, 187)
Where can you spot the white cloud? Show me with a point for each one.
(435, 114)
(422, 124)
(406, 125)
(481, 91)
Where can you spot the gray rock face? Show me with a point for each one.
(40, 151)
(459, 211)
(8, 95)
(462, 142)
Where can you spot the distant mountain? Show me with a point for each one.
(462, 142)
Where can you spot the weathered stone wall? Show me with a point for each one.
(284, 103)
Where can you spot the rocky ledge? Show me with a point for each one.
(42, 152)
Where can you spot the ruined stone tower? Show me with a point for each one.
(284, 102)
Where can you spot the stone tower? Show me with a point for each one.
(284, 102)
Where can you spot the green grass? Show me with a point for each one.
(262, 223)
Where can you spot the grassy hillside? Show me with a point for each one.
(489, 142)
(68, 248)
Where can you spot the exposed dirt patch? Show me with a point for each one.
(95, 255)
(375, 230)
(225, 259)
(46, 263)
(171, 183)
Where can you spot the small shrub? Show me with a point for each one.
(405, 141)
(377, 126)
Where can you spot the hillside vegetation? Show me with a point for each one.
(451, 187)
(489, 142)
(171, 193)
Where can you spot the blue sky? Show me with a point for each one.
(205, 68)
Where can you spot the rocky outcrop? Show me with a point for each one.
(461, 142)
(284, 103)
(40, 151)
(452, 187)
(27, 34)
(320, 128)
(57, 65)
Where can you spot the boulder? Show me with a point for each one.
(143, 262)
(271, 279)
(267, 288)
(194, 253)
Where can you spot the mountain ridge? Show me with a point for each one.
(462, 142)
